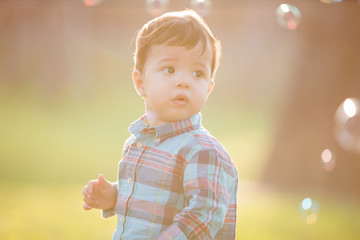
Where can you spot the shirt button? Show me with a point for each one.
(139, 144)
(129, 180)
(121, 219)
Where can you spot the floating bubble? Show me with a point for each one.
(309, 210)
(347, 125)
(288, 16)
(202, 7)
(328, 160)
(331, 1)
(91, 3)
(306, 204)
(350, 107)
(311, 218)
(156, 7)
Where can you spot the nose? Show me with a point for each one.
(184, 85)
(183, 82)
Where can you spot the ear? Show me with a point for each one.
(138, 82)
(211, 86)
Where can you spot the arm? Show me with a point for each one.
(208, 183)
(100, 194)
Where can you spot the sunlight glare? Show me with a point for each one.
(156, 7)
(347, 125)
(328, 160)
(288, 16)
(306, 203)
(285, 8)
(350, 107)
(202, 7)
(326, 156)
(91, 3)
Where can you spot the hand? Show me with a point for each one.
(99, 193)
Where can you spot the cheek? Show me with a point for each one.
(158, 93)
(160, 90)
(202, 91)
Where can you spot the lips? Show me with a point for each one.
(180, 99)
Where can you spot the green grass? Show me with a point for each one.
(268, 214)
(49, 212)
(41, 211)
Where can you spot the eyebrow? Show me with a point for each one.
(166, 60)
(199, 63)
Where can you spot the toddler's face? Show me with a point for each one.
(175, 82)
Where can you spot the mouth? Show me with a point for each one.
(180, 99)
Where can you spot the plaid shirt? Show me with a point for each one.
(175, 181)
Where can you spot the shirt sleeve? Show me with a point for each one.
(106, 213)
(208, 182)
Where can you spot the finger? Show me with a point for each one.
(91, 186)
(85, 190)
(88, 189)
(87, 207)
(93, 203)
(101, 180)
(89, 200)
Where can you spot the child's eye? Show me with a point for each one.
(169, 70)
(198, 74)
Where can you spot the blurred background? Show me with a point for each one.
(286, 106)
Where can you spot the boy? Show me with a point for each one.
(175, 181)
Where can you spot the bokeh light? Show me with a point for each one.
(91, 3)
(331, 1)
(156, 7)
(350, 107)
(347, 125)
(202, 7)
(306, 204)
(288, 16)
(309, 210)
(328, 160)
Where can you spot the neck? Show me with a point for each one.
(153, 121)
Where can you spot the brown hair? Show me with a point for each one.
(183, 28)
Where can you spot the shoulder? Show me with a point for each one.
(204, 147)
(204, 141)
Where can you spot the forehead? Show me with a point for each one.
(198, 52)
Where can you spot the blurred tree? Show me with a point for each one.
(328, 72)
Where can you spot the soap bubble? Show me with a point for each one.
(347, 125)
(331, 1)
(288, 16)
(306, 204)
(91, 3)
(202, 7)
(309, 210)
(156, 7)
(328, 160)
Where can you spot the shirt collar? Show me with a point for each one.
(164, 131)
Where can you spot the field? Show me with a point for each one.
(44, 211)
(49, 151)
